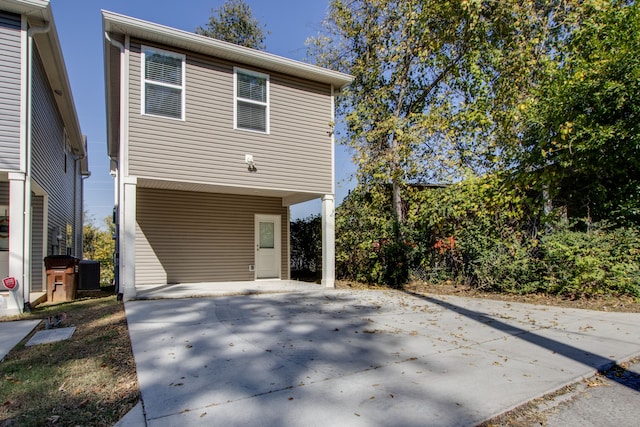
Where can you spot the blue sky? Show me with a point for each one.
(79, 25)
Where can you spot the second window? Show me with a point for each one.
(251, 96)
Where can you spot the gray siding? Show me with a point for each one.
(296, 155)
(10, 68)
(52, 169)
(4, 193)
(37, 257)
(184, 237)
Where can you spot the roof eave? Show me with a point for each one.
(38, 13)
(121, 24)
(59, 80)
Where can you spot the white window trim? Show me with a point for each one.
(143, 80)
(266, 104)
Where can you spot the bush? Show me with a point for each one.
(485, 232)
(369, 248)
(306, 248)
(594, 262)
(496, 244)
(99, 245)
(505, 265)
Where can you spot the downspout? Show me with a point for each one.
(118, 175)
(75, 202)
(26, 247)
(77, 174)
(83, 176)
(115, 174)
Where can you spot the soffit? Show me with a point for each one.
(289, 197)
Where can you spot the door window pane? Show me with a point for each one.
(267, 235)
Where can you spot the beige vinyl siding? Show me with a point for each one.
(296, 155)
(189, 237)
(10, 71)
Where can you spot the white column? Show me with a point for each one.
(128, 240)
(17, 207)
(328, 241)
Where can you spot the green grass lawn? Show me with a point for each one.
(87, 380)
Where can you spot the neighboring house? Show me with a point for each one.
(43, 153)
(210, 144)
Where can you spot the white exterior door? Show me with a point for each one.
(268, 233)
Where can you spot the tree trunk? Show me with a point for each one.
(397, 202)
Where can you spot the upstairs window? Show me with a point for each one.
(251, 97)
(163, 83)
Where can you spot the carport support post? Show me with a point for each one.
(128, 240)
(328, 241)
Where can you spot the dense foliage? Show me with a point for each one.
(529, 110)
(306, 248)
(99, 245)
(582, 135)
(435, 82)
(480, 232)
(368, 248)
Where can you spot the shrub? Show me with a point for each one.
(369, 248)
(593, 262)
(306, 248)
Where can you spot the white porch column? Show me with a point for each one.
(328, 241)
(128, 239)
(17, 206)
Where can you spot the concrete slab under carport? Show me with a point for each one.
(337, 357)
(217, 289)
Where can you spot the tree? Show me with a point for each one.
(234, 22)
(582, 140)
(98, 245)
(306, 247)
(435, 84)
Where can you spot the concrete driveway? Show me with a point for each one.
(321, 357)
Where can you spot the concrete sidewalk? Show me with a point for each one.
(360, 358)
(11, 333)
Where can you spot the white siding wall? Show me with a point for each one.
(296, 155)
(9, 91)
(184, 237)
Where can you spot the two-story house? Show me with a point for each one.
(211, 143)
(43, 154)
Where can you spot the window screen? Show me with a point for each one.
(252, 101)
(163, 83)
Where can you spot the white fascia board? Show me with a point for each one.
(23, 7)
(145, 30)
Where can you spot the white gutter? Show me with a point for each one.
(162, 34)
(118, 191)
(27, 239)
